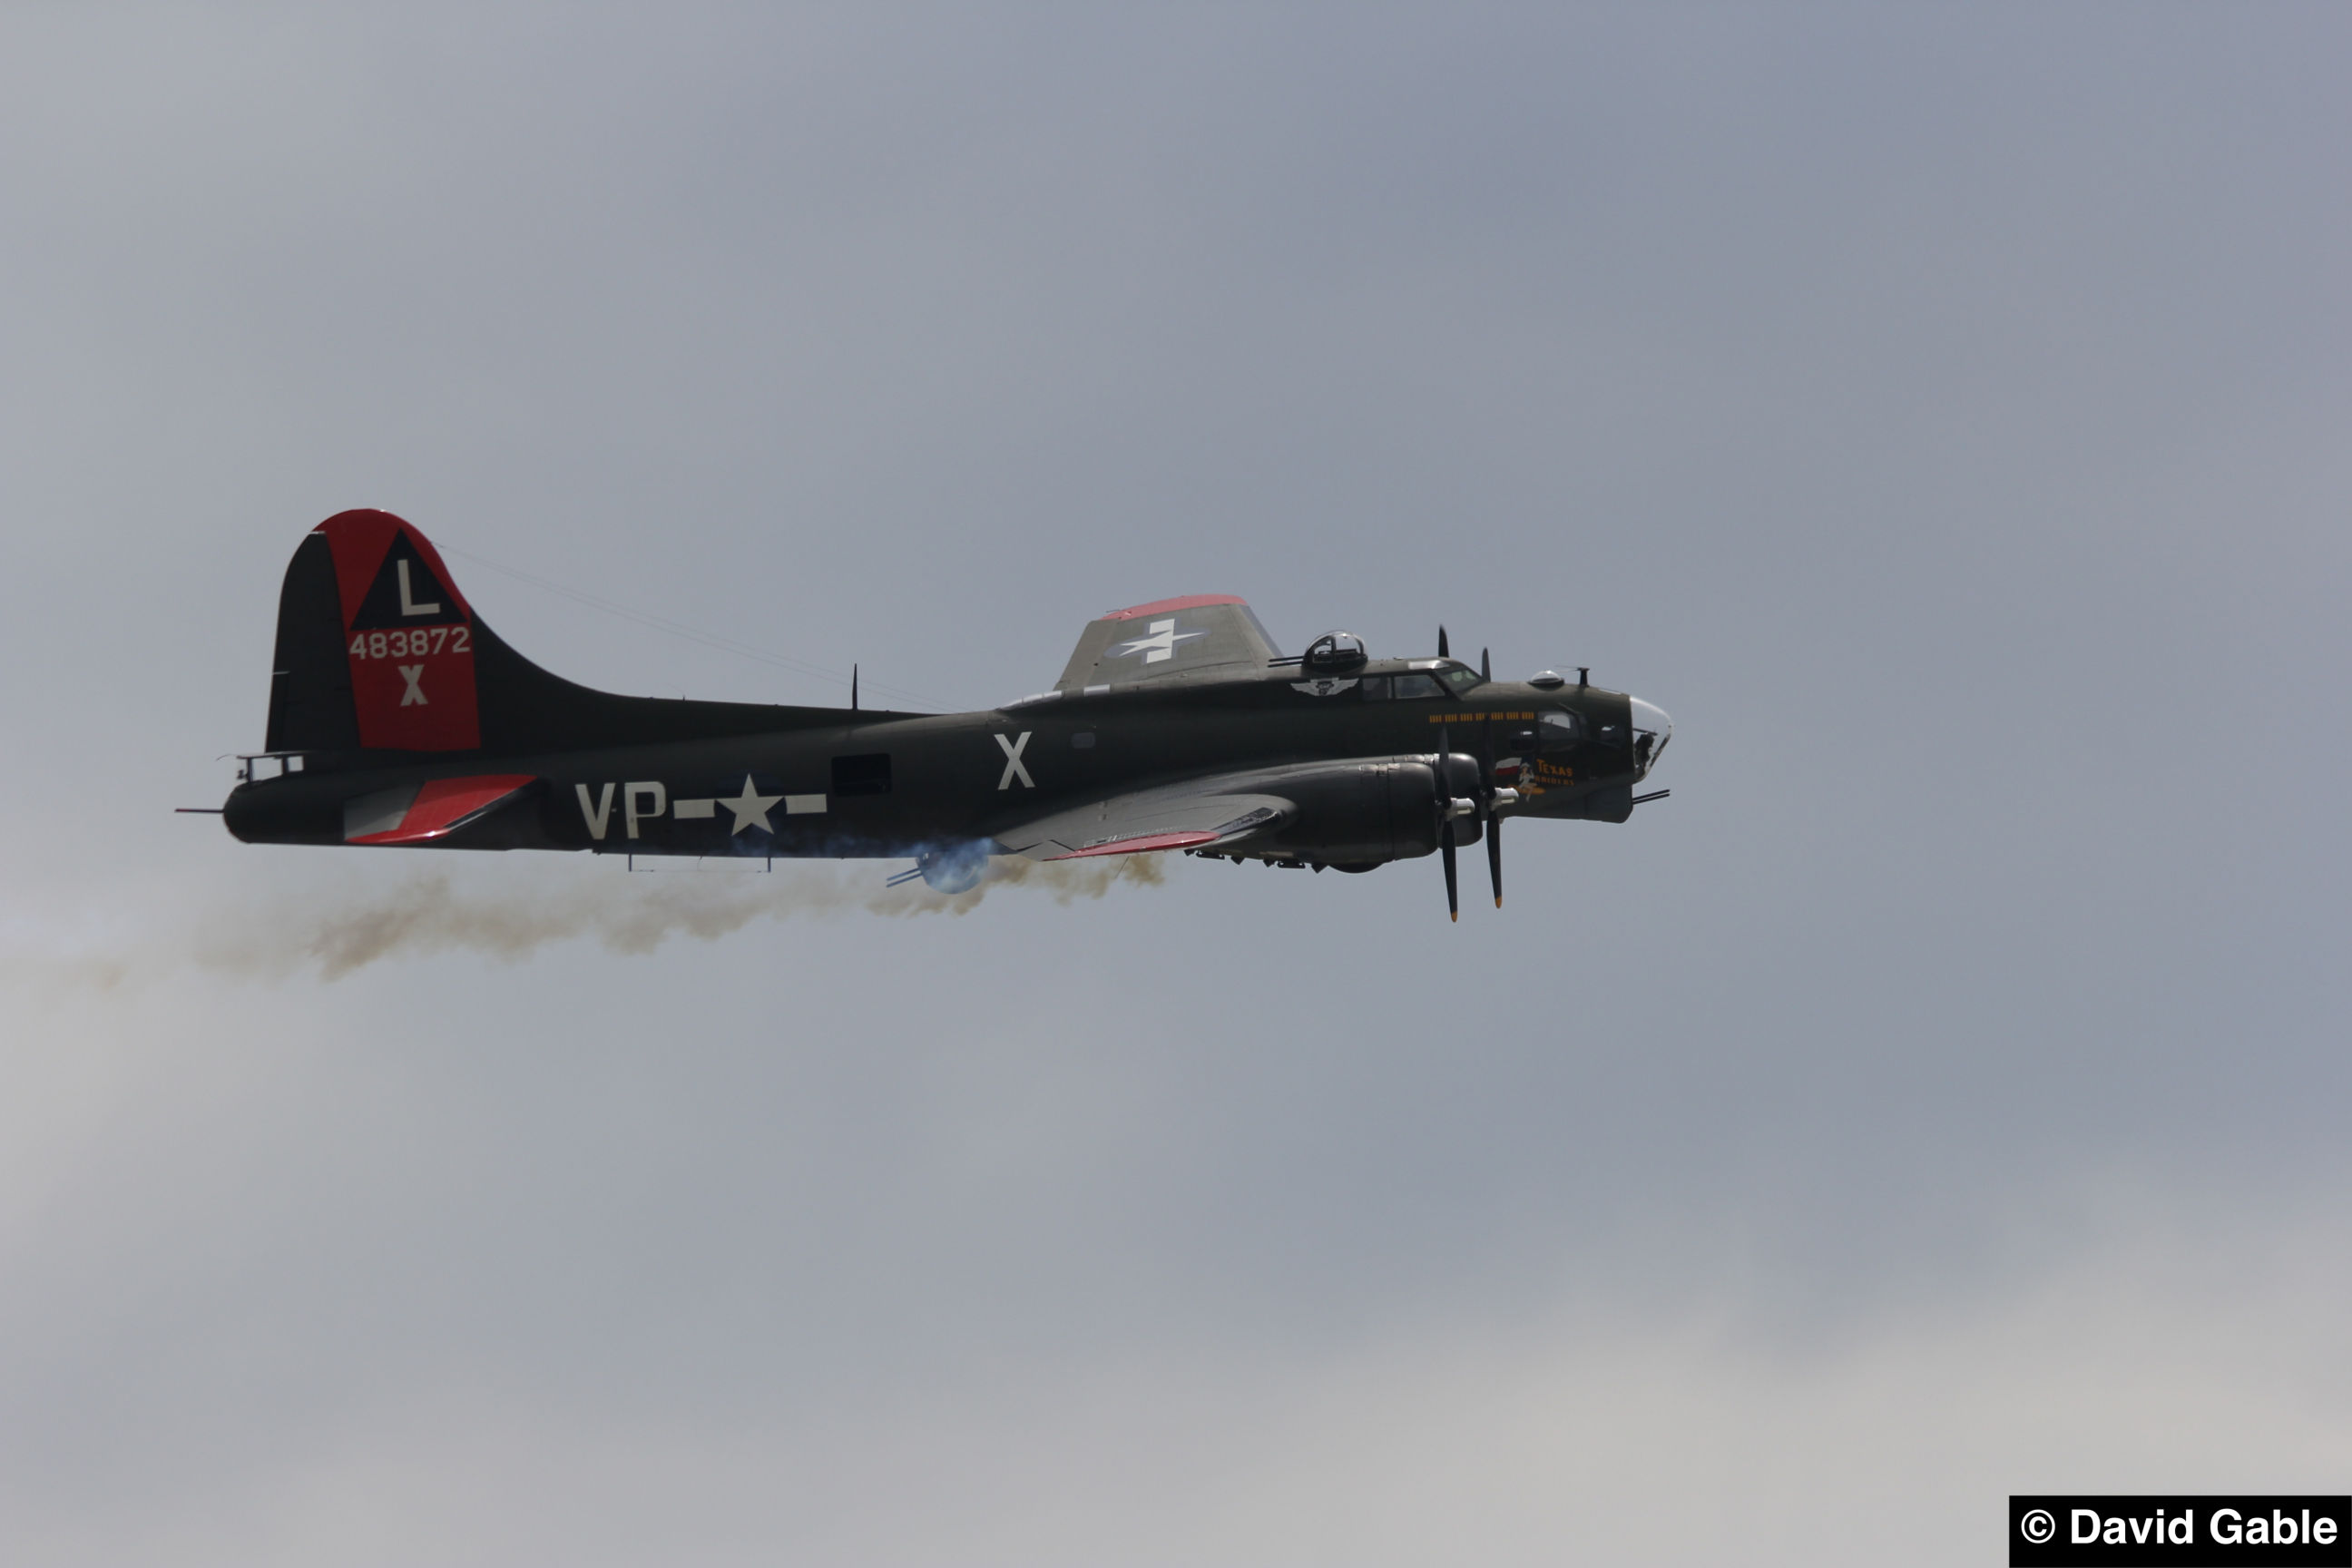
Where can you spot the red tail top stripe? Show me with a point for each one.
(359, 540)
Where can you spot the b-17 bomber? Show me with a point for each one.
(397, 717)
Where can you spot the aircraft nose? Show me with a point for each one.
(1651, 731)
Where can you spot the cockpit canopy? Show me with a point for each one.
(1335, 650)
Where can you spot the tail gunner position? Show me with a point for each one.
(396, 717)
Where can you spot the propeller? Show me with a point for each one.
(1443, 800)
(1495, 853)
(1487, 803)
(1487, 793)
(1442, 651)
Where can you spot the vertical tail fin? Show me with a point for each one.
(378, 651)
(375, 645)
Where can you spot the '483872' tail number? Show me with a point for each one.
(411, 642)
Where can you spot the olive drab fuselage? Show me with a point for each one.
(398, 719)
(890, 784)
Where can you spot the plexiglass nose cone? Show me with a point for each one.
(1651, 731)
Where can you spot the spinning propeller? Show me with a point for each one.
(1487, 804)
(1447, 808)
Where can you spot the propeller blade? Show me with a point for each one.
(1485, 666)
(1442, 801)
(1453, 892)
(1486, 799)
(1442, 651)
(1495, 855)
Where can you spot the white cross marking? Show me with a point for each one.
(415, 696)
(1160, 646)
(1013, 768)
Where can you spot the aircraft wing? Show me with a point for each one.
(1169, 639)
(1176, 817)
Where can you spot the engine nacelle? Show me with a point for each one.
(1361, 812)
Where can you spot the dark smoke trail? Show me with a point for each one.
(627, 914)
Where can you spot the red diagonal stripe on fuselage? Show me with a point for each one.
(443, 805)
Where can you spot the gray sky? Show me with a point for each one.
(1940, 411)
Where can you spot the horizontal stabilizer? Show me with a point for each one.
(1205, 634)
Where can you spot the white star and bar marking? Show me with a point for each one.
(750, 807)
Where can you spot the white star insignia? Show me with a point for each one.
(750, 807)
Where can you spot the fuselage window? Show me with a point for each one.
(869, 775)
(1417, 686)
(1376, 688)
(1562, 728)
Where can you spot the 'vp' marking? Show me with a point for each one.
(598, 812)
(641, 799)
(412, 673)
(1013, 768)
(1160, 645)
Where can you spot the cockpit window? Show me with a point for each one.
(1335, 650)
(1461, 678)
(1417, 685)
